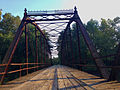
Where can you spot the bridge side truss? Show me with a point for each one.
(47, 18)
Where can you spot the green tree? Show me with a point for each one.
(9, 23)
(104, 35)
(8, 26)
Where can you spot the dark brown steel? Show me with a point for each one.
(104, 72)
(36, 47)
(63, 41)
(65, 52)
(38, 28)
(26, 46)
(20, 72)
(41, 49)
(78, 42)
(44, 51)
(32, 47)
(11, 50)
(71, 45)
(20, 64)
(47, 53)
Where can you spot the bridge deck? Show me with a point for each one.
(62, 78)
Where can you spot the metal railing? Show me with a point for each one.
(22, 67)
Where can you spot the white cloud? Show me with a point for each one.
(95, 9)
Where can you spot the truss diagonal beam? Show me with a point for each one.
(63, 36)
(104, 72)
(8, 57)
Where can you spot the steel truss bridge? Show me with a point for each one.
(51, 24)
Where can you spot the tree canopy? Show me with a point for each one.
(105, 36)
(8, 27)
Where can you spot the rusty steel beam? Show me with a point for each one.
(41, 50)
(37, 27)
(78, 42)
(45, 40)
(71, 44)
(13, 45)
(31, 46)
(15, 64)
(44, 51)
(63, 39)
(2, 73)
(12, 48)
(104, 72)
(36, 47)
(30, 21)
(50, 14)
(66, 54)
(26, 46)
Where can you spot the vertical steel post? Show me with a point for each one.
(50, 58)
(13, 46)
(20, 72)
(61, 50)
(41, 49)
(47, 55)
(26, 46)
(63, 43)
(78, 42)
(65, 50)
(36, 48)
(44, 51)
(32, 48)
(71, 45)
(103, 71)
(35, 60)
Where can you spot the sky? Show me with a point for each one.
(95, 9)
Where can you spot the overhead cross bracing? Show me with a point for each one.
(70, 17)
(53, 23)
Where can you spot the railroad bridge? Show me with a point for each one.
(49, 27)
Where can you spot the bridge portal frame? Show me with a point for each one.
(71, 16)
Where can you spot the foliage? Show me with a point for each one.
(105, 36)
(8, 27)
(55, 61)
